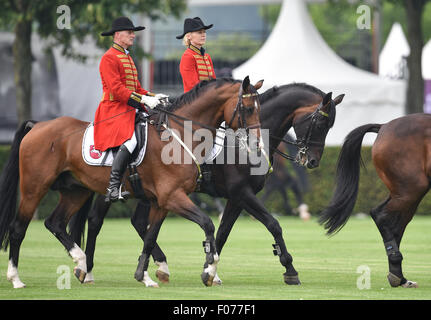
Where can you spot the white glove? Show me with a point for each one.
(149, 101)
(161, 96)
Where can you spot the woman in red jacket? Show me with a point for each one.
(114, 122)
(196, 65)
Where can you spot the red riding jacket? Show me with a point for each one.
(195, 67)
(114, 122)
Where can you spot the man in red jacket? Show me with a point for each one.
(114, 122)
(195, 65)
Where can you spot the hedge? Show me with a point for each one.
(322, 181)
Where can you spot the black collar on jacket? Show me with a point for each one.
(201, 51)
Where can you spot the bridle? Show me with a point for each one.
(305, 142)
(240, 109)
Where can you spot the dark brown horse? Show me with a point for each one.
(401, 155)
(48, 155)
(305, 108)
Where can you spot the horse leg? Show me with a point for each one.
(71, 200)
(150, 238)
(16, 236)
(391, 218)
(269, 188)
(230, 214)
(253, 205)
(303, 212)
(179, 203)
(140, 222)
(287, 206)
(95, 222)
(31, 194)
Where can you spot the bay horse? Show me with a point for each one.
(307, 109)
(401, 155)
(48, 154)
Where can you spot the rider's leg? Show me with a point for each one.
(119, 166)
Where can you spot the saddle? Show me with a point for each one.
(94, 157)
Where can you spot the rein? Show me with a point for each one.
(304, 143)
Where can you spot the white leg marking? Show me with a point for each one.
(304, 214)
(212, 268)
(89, 278)
(148, 281)
(217, 281)
(410, 284)
(12, 276)
(163, 267)
(78, 256)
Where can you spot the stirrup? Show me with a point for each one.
(122, 195)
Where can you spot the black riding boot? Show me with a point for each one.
(119, 165)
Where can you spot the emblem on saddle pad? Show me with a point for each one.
(94, 153)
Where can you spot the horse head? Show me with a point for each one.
(311, 125)
(247, 109)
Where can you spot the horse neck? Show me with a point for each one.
(277, 112)
(209, 109)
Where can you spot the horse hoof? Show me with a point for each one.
(17, 284)
(217, 281)
(207, 279)
(80, 274)
(148, 281)
(89, 279)
(410, 284)
(291, 280)
(162, 276)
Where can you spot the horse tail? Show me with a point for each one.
(335, 216)
(9, 184)
(77, 222)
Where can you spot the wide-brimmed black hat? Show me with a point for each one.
(194, 24)
(120, 24)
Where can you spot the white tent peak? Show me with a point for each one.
(426, 61)
(391, 58)
(296, 52)
(296, 47)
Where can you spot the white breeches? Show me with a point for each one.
(131, 143)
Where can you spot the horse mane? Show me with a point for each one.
(275, 90)
(197, 91)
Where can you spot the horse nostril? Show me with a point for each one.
(313, 163)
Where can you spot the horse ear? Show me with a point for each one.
(245, 83)
(326, 99)
(258, 85)
(338, 99)
(325, 104)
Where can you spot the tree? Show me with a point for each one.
(415, 87)
(81, 19)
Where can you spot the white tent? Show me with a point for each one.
(392, 63)
(296, 52)
(426, 61)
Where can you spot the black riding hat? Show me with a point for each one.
(120, 24)
(194, 24)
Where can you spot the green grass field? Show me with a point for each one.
(327, 266)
